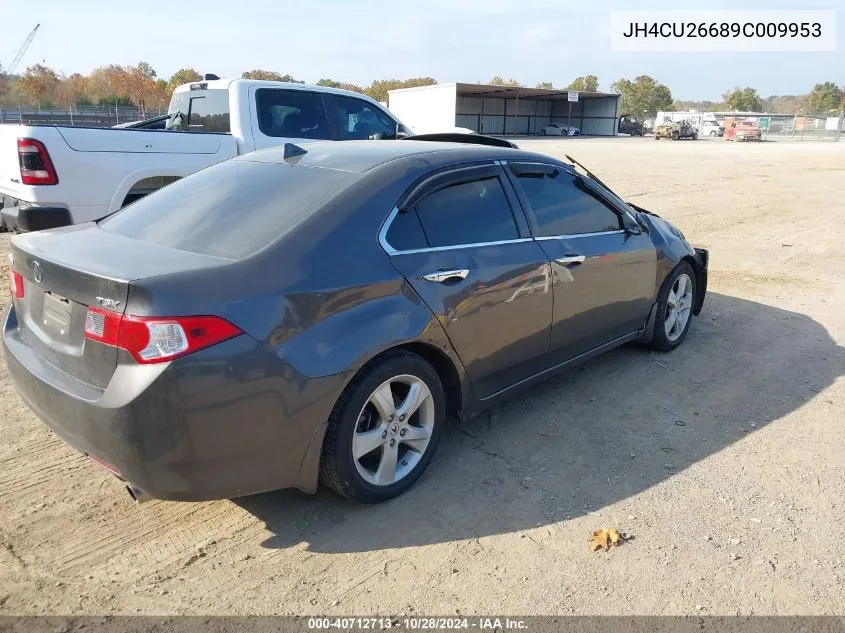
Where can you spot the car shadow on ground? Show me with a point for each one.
(583, 440)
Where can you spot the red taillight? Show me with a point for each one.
(36, 166)
(15, 280)
(157, 339)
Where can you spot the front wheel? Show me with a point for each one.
(674, 308)
(542, 132)
(384, 429)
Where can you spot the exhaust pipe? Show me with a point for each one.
(138, 495)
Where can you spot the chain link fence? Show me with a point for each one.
(802, 128)
(79, 116)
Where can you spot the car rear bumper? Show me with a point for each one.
(19, 215)
(227, 421)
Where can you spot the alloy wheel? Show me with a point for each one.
(678, 307)
(393, 430)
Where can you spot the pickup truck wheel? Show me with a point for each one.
(384, 429)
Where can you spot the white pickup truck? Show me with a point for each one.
(58, 175)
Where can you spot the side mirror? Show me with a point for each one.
(632, 227)
(378, 136)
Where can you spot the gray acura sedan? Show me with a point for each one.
(316, 314)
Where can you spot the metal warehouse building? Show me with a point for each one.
(501, 110)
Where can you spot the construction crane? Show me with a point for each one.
(11, 69)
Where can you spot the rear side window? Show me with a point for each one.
(358, 119)
(231, 209)
(405, 232)
(291, 114)
(470, 212)
(209, 110)
(563, 205)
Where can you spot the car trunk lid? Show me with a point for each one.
(65, 272)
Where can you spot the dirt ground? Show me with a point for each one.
(724, 460)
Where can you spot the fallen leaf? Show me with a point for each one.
(606, 538)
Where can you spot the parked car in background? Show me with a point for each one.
(559, 129)
(676, 131)
(57, 175)
(743, 131)
(155, 123)
(711, 128)
(318, 312)
(631, 126)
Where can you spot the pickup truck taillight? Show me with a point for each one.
(157, 339)
(36, 166)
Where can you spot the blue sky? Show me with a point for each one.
(450, 40)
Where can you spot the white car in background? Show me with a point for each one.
(558, 129)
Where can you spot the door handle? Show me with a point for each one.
(571, 260)
(444, 276)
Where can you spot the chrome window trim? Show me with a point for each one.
(382, 238)
(573, 235)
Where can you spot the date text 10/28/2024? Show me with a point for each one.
(418, 623)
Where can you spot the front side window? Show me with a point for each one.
(563, 205)
(470, 212)
(291, 114)
(358, 119)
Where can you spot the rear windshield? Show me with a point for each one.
(230, 210)
(202, 110)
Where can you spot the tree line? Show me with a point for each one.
(141, 85)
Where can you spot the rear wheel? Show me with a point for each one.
(713, 133)
(384, 429)
(675, 136)
(564, 132)
(674, 308)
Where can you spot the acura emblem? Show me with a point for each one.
(37, 273)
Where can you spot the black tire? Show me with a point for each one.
(713, 133)
(660, 341)
(543, 132)
(564, 132)
(337, 465)
(675, 136)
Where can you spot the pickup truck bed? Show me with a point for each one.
(97, 169)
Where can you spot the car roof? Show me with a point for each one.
(362, 156)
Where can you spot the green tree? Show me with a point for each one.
(498, 81)
(379, 88)
(182, 76)
(826, 97)
(331, 83)
(146, 70)
(587, 83)
(270, 75)
(546, 85)
(643, 96)
(744, 100)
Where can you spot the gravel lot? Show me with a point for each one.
(724, 460)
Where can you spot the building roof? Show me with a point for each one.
(512, 92)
